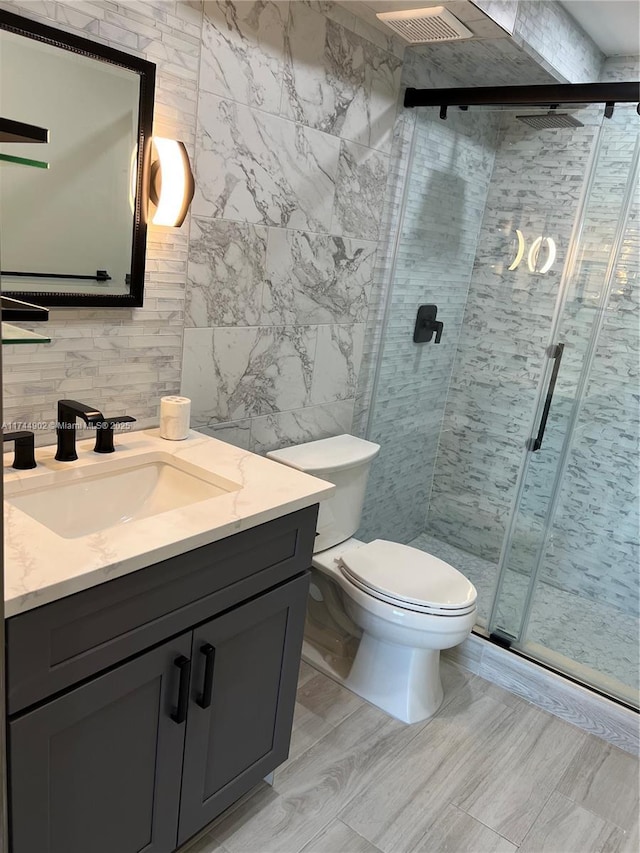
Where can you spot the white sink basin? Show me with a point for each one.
(97, 497)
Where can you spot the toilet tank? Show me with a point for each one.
(343, 460)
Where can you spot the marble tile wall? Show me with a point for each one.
(500, 352)
(506, 325)
(548, 33)
(121, 361)
(620, 69)
(503, 12)
(451, 169)
(448, 185)
(593, 549)
(296, 112)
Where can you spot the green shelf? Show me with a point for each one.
(23, 161)
(13, 335)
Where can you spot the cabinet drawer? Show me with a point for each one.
(54, 646)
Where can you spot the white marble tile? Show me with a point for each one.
(339, 82)
(236, 373)
(197, 375)
(259, 168)
(243, 51)
(282, 429)
(237, 433)
(225, 275)
(313, 278)
(503, 12)
(338, 358)
(360, 187)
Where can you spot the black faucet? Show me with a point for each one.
(24, 443)
(104, 432)
(68, 411)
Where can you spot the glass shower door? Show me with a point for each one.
(568, 582)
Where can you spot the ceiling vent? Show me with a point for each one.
(425, 26)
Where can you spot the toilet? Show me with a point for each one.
(404, 604)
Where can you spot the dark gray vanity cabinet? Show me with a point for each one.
(98, 769)
(142, 708)
(239, 733)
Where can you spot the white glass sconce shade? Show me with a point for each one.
(172, 184)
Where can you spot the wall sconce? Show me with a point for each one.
(520, 253)
(534, 253)
(172, 185)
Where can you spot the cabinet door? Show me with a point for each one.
(98, 769)
(239, 730)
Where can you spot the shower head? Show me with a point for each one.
(550, 121)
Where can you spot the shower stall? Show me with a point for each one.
(510, 448)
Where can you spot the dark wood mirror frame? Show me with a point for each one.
(147, 73)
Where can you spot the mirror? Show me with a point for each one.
(73, 210)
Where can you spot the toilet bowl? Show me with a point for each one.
(407, 604)
(396, 666)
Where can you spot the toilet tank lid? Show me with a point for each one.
(328, 454)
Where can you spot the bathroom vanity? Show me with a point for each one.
(146, 701)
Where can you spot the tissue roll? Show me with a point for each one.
(175, 414)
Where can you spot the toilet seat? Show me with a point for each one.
(408, 578)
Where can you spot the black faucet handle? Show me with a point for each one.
(426, 325)
(104, 432)
(24, 457)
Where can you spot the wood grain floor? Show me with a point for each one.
(490, 773)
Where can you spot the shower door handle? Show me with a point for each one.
(555, 353)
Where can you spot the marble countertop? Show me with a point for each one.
(40, 566)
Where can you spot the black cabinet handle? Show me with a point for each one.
(184, 666)
(207, 688)
(534, 444)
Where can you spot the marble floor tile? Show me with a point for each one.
(453, 831)
(564, 825)
(604, 780)
(337, 837)
(534, 750)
